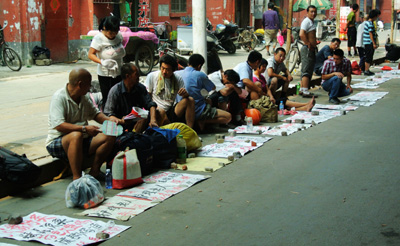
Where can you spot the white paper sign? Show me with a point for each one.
(58, 230)
(256, 129)
(289, 128)
(368, 96)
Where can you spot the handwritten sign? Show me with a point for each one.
(256, 129)
(336, 107)
(368, 96)
(223, 150)
(289, 128)
(258, 140)
(308, 118)
(134, 201)
(58, 230)
(119, 208)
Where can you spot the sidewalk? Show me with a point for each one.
(25, 102)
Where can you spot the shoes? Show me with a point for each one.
(307, 95)
(334, 100)
(368, 73)
(268, 54)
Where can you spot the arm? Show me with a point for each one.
(271, 73)
(92, 55)
(330, 75)
(288, 75)
(229, 88)
(252, 87)
(68, 128)
(372, 39)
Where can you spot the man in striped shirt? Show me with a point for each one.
(369, 40)
(333, 72)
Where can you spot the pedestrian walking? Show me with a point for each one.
(270, 23)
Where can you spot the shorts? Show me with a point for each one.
(270, 36)
(216, 98)
(172, 117)
(209, 112)
(369, 53)
(56, 149)
(307, 62)
(351, 36)
(281, 82)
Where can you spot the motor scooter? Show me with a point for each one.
(225, 35)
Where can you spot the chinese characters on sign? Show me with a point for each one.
(143, 12)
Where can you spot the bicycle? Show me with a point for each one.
(8, 56)
(293, 55)
(248, 39)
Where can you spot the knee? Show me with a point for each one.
(75, 136)
(274, 81)
(258, 84)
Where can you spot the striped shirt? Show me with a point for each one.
(368, 27)
(331, 67)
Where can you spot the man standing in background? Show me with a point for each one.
(351, 30)
(270, 23)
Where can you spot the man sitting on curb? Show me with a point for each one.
(127, 94)
(333, 71)
(70, 137)
(164, 86)
(279, 75)
(226, 92)
(195, 81)
(324, 54)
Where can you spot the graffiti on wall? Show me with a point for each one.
(143, 12)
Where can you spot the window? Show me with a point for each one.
(178, 6)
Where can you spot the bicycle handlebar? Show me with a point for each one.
(5, 24)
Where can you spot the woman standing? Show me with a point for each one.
(107, 50)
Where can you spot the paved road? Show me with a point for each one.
(334, 184)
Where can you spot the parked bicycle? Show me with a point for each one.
(249, 40)
(294, 56)
(8, 56)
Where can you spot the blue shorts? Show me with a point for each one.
(56, 149)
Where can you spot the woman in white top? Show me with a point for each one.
(107, 50)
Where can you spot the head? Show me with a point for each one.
(80, 80)
(168, 65)
(130, 75)
(355, 7)
(196, 61)
(271, 5)
(335, 44)
(338, 56)
(373, 15)
(311, 12)
(263, 66)
(230, 77)
(109, 26)
(280, 55)
(254, 59)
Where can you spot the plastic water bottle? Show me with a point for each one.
(281, 108)
(108, 179)
(297, 88)
(181, 144)
(249, 124)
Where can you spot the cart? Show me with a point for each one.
(140, 47)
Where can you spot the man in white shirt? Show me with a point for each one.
(70, 137)
(307, 52)
(164, 86)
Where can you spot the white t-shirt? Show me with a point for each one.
(216, 78)
(163, 100)
(308, 25)
(64, 109)
(360, 33)
(108, 49)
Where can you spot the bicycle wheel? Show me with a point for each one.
(144, 59)
(12, 59)
(293, 57)
(260, 43)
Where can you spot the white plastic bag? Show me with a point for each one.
(85, 192)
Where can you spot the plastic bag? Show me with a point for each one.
(192, 140)
(85, 192)
(280, 38)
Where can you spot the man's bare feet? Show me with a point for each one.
(310, 104)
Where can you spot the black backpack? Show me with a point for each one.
(164, 152)
(16, 168)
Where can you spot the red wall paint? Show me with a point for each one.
(81, 18)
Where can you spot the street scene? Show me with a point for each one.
(326, 175)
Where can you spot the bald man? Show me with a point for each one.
(69, 136)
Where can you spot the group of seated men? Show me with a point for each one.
(169, 96)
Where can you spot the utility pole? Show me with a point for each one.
(337, 18)
(392, 23)
(199, 29)
(289, 31)
(373, 4)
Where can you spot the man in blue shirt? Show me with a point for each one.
(195, 81)
(324, 54)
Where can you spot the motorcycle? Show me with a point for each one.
(328, 28)
(213, 61)
(224, 33)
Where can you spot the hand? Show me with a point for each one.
(108, 63)
(349, 87)
(375, 46)
(339, 75)
(115, 120)
(153, 123)
(290, 78)
(272, 99)
(183, 93)
(92, 130)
